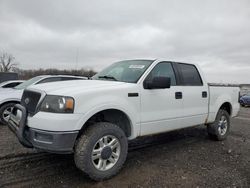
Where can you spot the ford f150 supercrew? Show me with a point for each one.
(95, 118)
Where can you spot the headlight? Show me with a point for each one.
(57, 104)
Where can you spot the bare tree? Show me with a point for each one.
(7, 62)
(27, 74)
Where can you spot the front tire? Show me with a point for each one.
(101, 151)
(219, 130)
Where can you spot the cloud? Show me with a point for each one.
(50, 34)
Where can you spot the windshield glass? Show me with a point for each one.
(28, 83)
(124, 71)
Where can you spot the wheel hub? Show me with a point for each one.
(6, 113)
(222, 125)
(106, 152)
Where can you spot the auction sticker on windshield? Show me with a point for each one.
(136, 66)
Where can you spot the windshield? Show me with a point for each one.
(128, 71)
(28, 83)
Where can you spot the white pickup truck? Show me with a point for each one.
(94, 119)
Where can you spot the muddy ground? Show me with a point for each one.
(185, 158)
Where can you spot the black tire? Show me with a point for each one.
(215, 131)
(2, 109)
(86, 143)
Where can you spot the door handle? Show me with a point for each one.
(178, 95)
(204, 94)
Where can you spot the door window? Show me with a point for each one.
(163, 69)
(190, 75)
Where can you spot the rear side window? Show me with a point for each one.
(190, 75)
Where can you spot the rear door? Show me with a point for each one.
(194, 95)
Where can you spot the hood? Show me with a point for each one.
(75, 86)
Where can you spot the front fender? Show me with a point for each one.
(91, 103)
(135, 125)
(16, 100)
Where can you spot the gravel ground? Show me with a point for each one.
(184, 158)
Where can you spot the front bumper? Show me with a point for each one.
(51, 141)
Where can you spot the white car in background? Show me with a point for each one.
(11, 96)
(10, 84)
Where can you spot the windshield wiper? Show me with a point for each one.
(108, 77)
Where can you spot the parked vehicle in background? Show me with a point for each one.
(94, 119)
(11, 96)
(6, 76)
(11, 83)
(245, 100)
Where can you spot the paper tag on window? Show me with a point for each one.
(136, 66)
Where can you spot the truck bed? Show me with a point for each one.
(220, 94)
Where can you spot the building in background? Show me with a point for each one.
(6, 76)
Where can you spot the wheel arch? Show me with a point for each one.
(10, 101)
(227, 106)
(116, 116)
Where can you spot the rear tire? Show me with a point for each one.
(5, 111)
(101, 151)
(219, 130)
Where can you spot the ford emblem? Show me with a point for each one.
(27, 100)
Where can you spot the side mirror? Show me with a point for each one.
(158, 82)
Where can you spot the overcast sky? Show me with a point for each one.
(50, 33)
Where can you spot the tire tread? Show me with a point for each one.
(82, 150)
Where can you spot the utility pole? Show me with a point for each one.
(77, 56)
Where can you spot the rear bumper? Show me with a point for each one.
(51, 141)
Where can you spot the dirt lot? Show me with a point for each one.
(185, 158)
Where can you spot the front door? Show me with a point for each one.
(161, 109)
